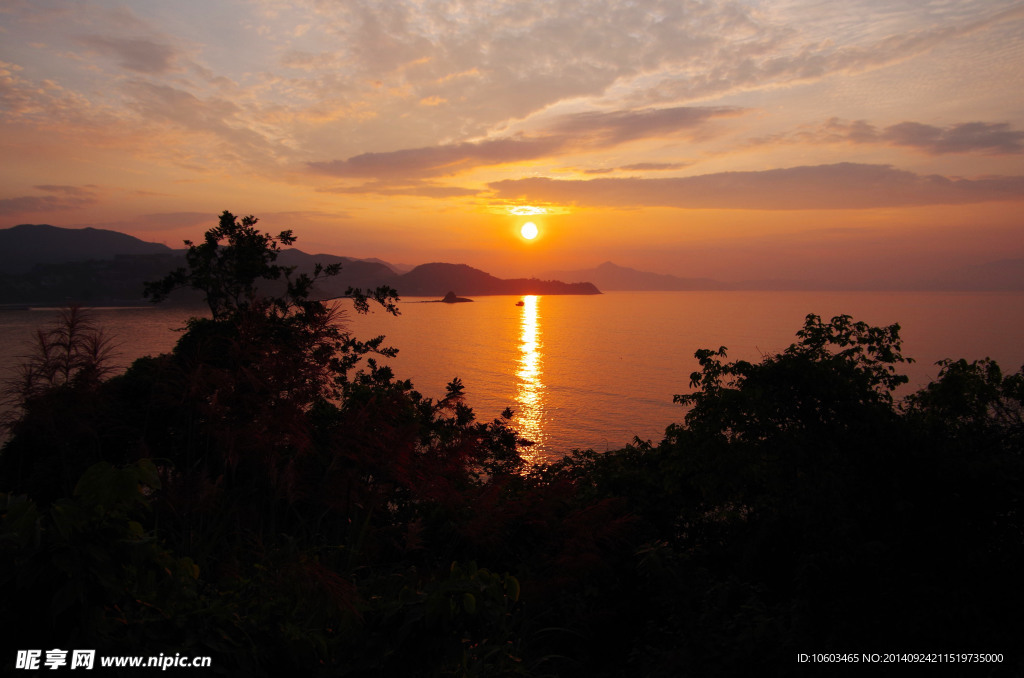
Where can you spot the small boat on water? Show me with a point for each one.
(520, 303)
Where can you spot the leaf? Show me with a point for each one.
(512, 588)
(469, 603)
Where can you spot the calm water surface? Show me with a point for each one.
(595, 371)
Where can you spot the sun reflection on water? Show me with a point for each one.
(529, 383)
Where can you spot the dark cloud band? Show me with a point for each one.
(838, 186)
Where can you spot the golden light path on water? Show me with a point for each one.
(529, 382)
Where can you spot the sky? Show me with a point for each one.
(744, 139)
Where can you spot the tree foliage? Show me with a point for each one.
(74, 351)
(52, 401)
(837, 373)
(270, 495)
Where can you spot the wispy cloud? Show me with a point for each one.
(188, 223)
(47, 104)
(638, 167)
(574, 132)
(141, 55)
(838, 186)
(421, 189)
(507, 59)
(967, 137)
(60, 198)
(440, 160)
(611, 128)
(784, 59)
(71, 191)
(655, 166)
(218, 117)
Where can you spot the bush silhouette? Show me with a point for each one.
(269, 495)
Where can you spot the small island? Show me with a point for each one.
(450, 298)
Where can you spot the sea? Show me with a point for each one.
(597, 372)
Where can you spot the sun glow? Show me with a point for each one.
(530, 372)
(529, 230)
(526, 210)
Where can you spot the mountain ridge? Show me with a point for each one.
(44, 264)
(609, 276)
(1004, 275)
(94, 266)
(27, 245)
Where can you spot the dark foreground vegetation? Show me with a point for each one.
(268, 496)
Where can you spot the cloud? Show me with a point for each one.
(781, 59)
(62, 198)
(73, 191)
(420, 189)
(967, 137)
(219, 117)
(440, 160)
(199, 222)
(838, 186)
(163, 102)
(654, 166)
(572, 132)
(394, 98)
(617, 127)
(46, 104)
(485, 64)
(367, 77)
(639, 167)
(133, 54)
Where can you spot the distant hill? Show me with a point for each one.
(426, 280)
(437, 279)
(612, 277)
(609, 276)
(95, 282)
(47, 265)
(23, 247)
(1006, 275)
(362, 273)
(397, 268)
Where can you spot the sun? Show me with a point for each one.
(529, 230)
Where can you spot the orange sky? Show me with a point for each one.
(852, 141)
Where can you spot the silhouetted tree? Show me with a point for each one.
(268, 494)
(798, 505)
(53, 401)
(836, 374)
